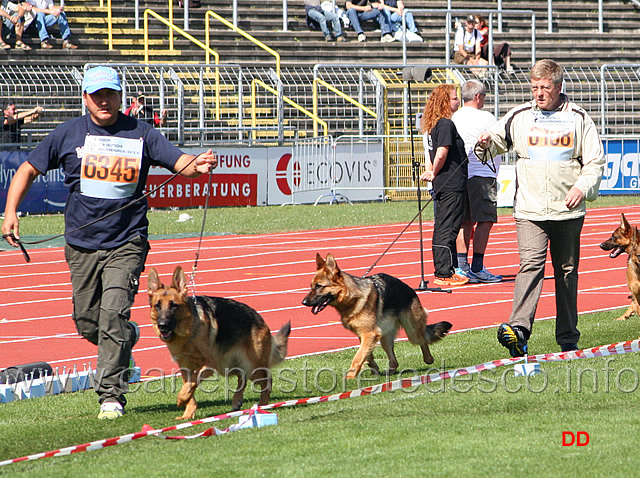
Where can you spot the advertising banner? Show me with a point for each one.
(621, 171)
(47, 194)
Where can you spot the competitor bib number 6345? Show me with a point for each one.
(110, 167)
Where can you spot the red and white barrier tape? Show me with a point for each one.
(602, 351)
(385, 387)
(606, 350)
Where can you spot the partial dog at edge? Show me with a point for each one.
(625, 239)
(204, 334)
(373, 308)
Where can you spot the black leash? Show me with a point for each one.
(192, 279)
(17, 241)
(135, 201)
(483, 155)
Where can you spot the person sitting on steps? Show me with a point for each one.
(316, 15)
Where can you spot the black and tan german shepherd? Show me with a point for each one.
(625, 239)
(204, 334)
(373, 308)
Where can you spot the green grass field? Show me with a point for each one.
(491, 424)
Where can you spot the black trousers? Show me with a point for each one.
(448, 212)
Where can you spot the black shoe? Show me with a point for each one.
(568, 347)
(513, 339)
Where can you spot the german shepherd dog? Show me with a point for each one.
(204, 334)
(626, 239)
(373, 308)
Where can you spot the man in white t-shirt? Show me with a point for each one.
(481, 197)
(468, 46)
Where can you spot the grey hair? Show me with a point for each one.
(547, 69)
(471, 88)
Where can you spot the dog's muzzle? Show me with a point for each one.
(166, 328)
(317, 304)
(615, 250)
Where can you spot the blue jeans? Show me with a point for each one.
(323, 18)
(356, 17)
(395, 21)
(45, 21)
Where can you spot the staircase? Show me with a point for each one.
(575, 39)
(574, 42)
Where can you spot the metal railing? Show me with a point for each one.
(205, 109)
(281, 98)
(285, 13)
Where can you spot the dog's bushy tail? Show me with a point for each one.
(435, 332)
(279, 344)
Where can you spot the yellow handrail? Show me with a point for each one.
(339, 93)
(172, 27)
(110, 24)
(315, 118)
(241, 32)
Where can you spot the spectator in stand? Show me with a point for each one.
(360, 11)
(317, 15)
(393, 12)
(501, 51)
(446, 168)
(145, 113)
(482, 186)
(13, 121)
(468, 47)
(14, 16)
(47, 15)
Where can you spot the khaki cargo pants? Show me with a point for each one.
(104, 284)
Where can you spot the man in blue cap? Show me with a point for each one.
(106, 157)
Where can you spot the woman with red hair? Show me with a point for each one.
(446, 168)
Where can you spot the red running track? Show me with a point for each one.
(271, 273)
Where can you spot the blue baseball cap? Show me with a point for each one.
(100, 77)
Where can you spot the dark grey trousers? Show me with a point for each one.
(104, 284)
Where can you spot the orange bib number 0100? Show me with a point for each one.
(548, 138)
(551, 136)
(110, 167)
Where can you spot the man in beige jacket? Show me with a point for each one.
(560, 161)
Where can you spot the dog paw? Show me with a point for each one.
(622, 318)
(186, 417)
(351, 375)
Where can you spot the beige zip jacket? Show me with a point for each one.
(556, 150)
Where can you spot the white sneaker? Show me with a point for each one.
(386, 38)
(411, 36)
(362, 37)
(110, 411)
(398, 36)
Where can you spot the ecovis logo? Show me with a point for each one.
(282, 174)
(579, 438)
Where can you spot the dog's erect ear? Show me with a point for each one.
(153, 282)
(331, 265)
(179, 281)
(319, 261)
(624, 224)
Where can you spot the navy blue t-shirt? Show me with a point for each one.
(453, 175)
(64, 148)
